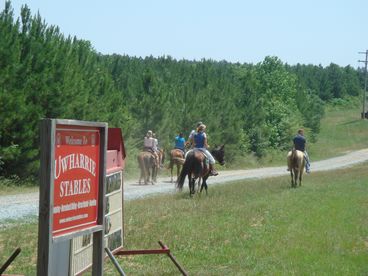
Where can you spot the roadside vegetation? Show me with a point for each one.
(245, 228)
(342, 130)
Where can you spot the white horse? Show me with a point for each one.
(296, 164)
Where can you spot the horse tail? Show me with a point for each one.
(183, 173)
(146, 163)
(139, 159)
(294, 158)
(142, 166)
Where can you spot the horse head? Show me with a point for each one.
(219, 154)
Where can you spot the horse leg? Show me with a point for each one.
(144, 176)
(292, 178)
(177, 171)
(190, 183)
(147, 177)
(296, 174)
(204, 184)
(300, 176)
(171, 170)
(192, 186)
(154, 175)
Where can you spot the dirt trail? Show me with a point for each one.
(26, 205)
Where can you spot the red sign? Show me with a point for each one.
(76, 183)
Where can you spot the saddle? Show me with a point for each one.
(148, 150)
(183, 152)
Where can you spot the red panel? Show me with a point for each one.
(115, 142)
(76, 184)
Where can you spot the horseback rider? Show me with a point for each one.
(156, 149)
(194, 131)
(180, 142)
(150, 144)
(199, 140)
(299, 144)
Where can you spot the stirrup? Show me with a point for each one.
(213, 172)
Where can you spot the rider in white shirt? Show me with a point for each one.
(150, 145)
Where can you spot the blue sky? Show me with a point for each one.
(308, 32)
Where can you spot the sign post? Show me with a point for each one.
(72, 191)
(81, 247)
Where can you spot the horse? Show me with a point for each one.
(148, 166)
(162, 155)
(195, 167)
(296, 164)
(176, 158)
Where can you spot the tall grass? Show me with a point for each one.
(244, 228)
(342, 130)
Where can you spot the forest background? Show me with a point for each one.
(252, 108)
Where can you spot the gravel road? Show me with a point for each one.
(21, 206)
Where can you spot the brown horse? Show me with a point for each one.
(162, 155)
(296, 164)
(148, 166)
(176, 159)
(195, 167)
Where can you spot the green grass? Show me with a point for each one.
(10, 187)
(244, 228)
(342, 130)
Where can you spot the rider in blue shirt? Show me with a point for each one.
(299, 144)
(180, 142)
(199, 141)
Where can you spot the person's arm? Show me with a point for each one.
(192, 141)
(205, 141)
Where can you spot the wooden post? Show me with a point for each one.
(99, 236)
(47, 139)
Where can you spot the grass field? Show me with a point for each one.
(245, 228)
(342, 130)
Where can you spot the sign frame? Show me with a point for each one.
(47, 243)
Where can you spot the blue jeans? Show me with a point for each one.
(307, 163)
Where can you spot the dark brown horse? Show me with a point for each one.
(296, 164)
(195, 167)
(176, 159)
(148, 166)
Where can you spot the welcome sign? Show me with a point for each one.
(76, 180)
(72, 192)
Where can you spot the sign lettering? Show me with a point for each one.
(76, 179)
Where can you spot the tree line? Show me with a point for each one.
(252, 108)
